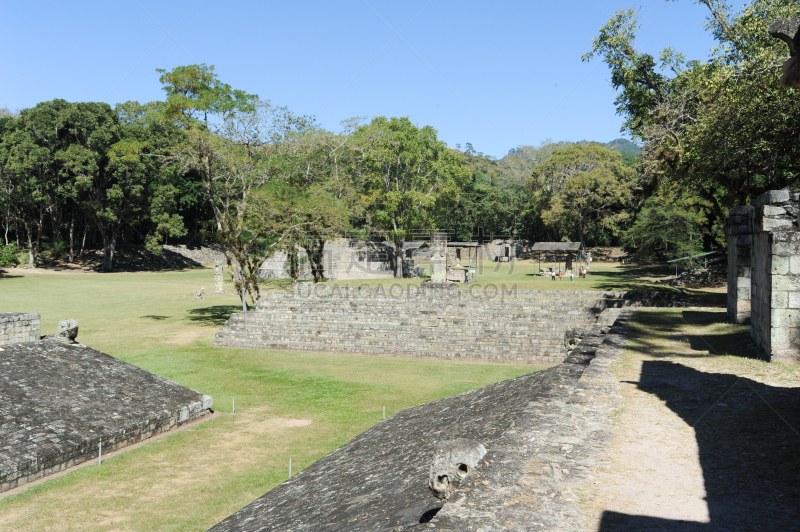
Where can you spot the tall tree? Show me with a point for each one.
(722, 129)
(402, 170)
(583, 188)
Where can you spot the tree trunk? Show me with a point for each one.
(31, 251)
(109, 244)
(243, 286)
(83, 242)
(72, 238)
(315, 250)
(39, 231)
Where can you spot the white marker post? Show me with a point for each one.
(233, 404)
(100, 453)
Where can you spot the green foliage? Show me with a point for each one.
(723, 129)
(403, 170)
(8, 254)
(664, 231)
(582, 189)
(195, 90)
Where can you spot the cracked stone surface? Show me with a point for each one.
(58, 401)
(544, 433)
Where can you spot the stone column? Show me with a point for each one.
(740, 239)
(775, 259)
(439, 258)
(218, 283)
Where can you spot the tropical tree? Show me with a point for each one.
(665, 230)
(583, 188)
(402, 170)
(721, 129)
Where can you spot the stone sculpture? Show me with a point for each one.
(439, 258)
(788, 30)
(200, 294)
(452, 462)
(67, 332)
(218, 286)
(572, 338)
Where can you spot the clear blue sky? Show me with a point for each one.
(497, 74)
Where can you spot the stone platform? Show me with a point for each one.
(498, 325)
(544, 432)
(58, 402)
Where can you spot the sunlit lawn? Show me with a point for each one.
(602, 276)
(193, 479)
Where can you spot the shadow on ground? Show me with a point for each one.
(718, 338)
(215, 315)
(641, 277)
(749, 445)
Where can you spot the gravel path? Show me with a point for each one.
(702, 441)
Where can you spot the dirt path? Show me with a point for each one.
(704, 441)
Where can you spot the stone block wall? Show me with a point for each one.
(343, 259)
(740, 239)
(496, 325)
(775, 281)
(17, 328)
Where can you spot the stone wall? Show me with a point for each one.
(343, 259)
(199, 254)
(775, 293)
(740, 239)
(500, 325)
(17, 328)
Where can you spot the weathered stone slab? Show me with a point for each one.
(543, 434)
(59, 401)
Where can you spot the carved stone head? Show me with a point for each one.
(452, 462)
(68, 331)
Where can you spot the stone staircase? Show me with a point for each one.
(521, 326)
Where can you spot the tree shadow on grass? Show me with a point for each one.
(719, 339)
(155, 317)
(215, 315)
(4, 275)
(637, 277)
(749, 449)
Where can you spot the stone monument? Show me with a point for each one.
(218, 286)
(67, 332)
(439, 258)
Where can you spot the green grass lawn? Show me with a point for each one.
(192, 479)
(602, 276)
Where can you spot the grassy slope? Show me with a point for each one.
(193, 479)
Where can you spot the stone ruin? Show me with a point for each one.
(500, 324)
(510, 456)
(788, 30)
(343, 259)
(60, 401)
(764, 273)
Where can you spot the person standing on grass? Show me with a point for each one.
(553, 274)
(571, 276)
(560, 273)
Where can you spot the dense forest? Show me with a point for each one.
(216, 164)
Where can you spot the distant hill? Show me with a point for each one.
(624, 146)
(515, 168)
